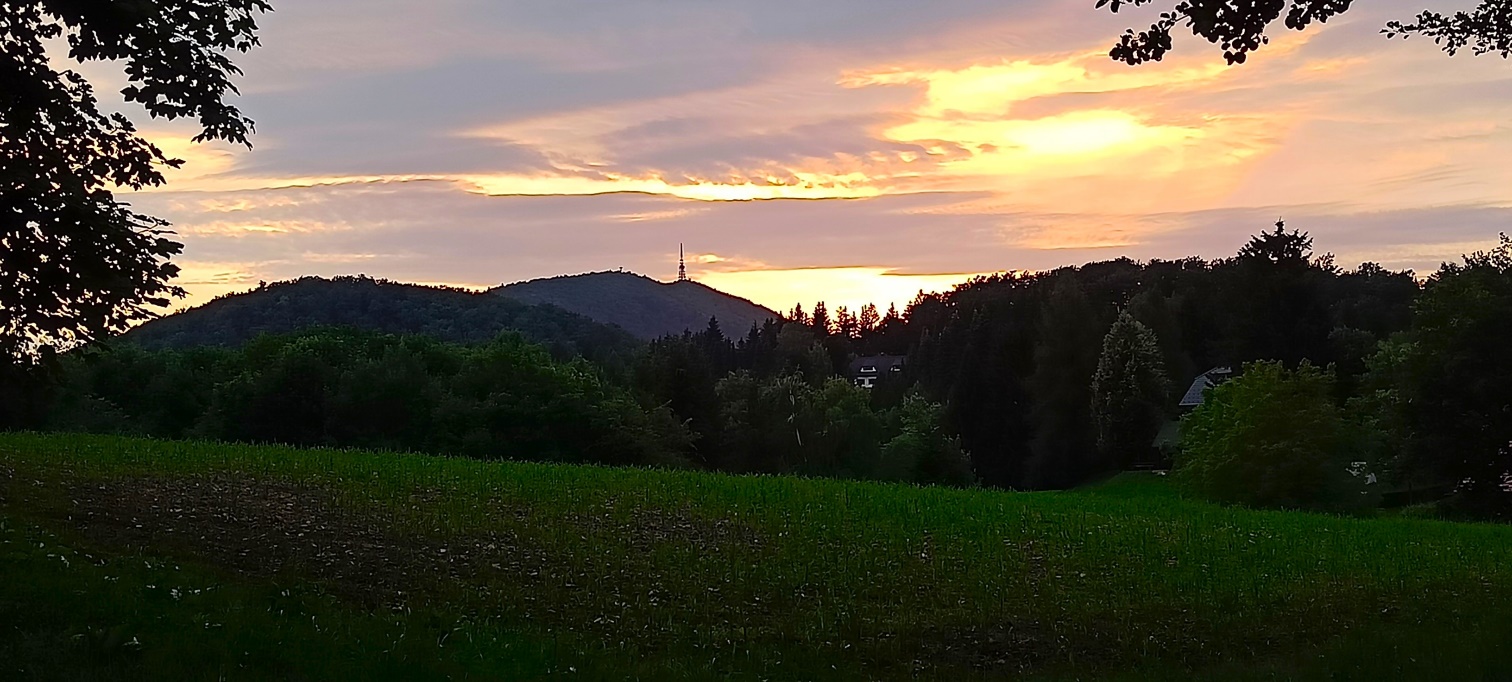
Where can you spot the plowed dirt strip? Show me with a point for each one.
(265, 529)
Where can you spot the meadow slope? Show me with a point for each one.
(127, 558)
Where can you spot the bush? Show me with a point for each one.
(923, 451)
(1273, 438)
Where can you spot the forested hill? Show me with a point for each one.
(642, 306)
(444, 313)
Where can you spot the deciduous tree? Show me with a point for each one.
(1272, 438)
(75, 262)
(1241, 28)
(1451, 380)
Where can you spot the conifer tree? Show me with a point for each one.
(1128, 392)
(821, 320)
(868, 319)
(1064, 360)
(846, 324)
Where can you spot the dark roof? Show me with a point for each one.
(882, 363)
(1204, 381)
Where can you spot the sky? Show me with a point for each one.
(844, 150)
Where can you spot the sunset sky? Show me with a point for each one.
(845, 150)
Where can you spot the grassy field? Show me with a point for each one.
(125, 559)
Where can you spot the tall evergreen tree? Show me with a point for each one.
(1161, 314)
(845, 323)
(797, 315)
(1065, 357)
(1275, 292)
(821, 322)
(868, 319)
(1129, 393)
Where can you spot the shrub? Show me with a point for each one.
(923, 451)
(1273, 438)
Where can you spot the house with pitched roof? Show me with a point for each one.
(868, 371)
(1169, 437)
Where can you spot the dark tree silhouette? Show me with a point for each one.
(821, 320)
(1239, 26)
(1129, 392)
(75, 263)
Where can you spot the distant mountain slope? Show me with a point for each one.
(447, 314)
(641, 305)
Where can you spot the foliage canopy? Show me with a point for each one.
(1446, 384)
(75, 262)
(1271, 437)
(1241, 28)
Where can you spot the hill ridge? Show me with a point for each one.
(647, 308)
(447, 313)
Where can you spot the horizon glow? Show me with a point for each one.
(818, 153)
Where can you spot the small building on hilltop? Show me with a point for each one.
(867, 371)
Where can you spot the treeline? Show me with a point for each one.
(1055, 378)
(1012, 357)
(774, 401)
(504, 399)
(1026, 380)
(507, 398)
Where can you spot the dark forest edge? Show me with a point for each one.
(1035, 380)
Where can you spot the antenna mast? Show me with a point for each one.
(682, 266)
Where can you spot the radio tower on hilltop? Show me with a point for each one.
(682, 266)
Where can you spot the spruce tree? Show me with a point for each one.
(1065, 358)
(1129, 392)
(868, 319)
(797, 315)
(821, 319)
(846, 324)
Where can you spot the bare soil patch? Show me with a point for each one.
(271, 529)
(647, 528)
(262, 529)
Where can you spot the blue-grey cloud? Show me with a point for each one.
(1386, 150)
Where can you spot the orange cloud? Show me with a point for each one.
(993, 89)
(1121, 152)
(797, 185)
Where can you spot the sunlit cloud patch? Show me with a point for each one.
(795, 148)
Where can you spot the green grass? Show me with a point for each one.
(74, 614)
(619, 573)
